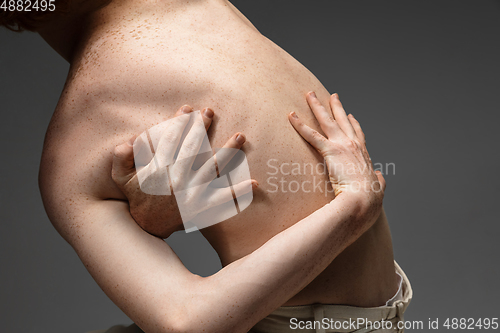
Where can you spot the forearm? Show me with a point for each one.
(145, 278)
(248, 289)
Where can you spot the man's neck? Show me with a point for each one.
(64, 31)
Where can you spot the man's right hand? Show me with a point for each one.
(349, 165)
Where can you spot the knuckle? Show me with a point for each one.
(316, 102)
(175, 181)
(170, 135)
(330, 119)
(118, 151)
(351, 144)
(123, 153)
(190, 146)
(317, 136)
(335, 147)
(299, 123)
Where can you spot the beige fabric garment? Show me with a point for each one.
(279, 320)
(336, 315)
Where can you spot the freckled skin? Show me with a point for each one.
(140, 61)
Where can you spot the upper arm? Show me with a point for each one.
(140, 273)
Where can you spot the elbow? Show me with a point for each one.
(167, 322)
(188, 326)
(185, 313)
(193, 322)
(176, 326)
(183, 324)
(198, 311)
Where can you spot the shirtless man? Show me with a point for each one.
(132, 64)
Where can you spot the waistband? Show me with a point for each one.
(339, 317)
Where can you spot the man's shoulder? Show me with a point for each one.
(77, 151)
(75, 168)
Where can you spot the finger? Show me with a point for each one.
(170, 138)
(314, 138)
(224, 155)
(381, 180)
(341, 117)
(207, 172)
(208, 116)
(222, 195)
(191, 144)
(324, 116)
(357, 128)
(245, 187)
(185, 109)
(123, 167)
(362, 140)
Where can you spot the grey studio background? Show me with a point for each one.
(421, 76)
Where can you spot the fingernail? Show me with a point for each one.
(294, 115)
(208, 113)
(255, 184)
(313, 94)
(186, 109)
(240, 138)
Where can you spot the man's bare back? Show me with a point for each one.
(143, 60)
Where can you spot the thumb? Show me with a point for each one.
(123, 162)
